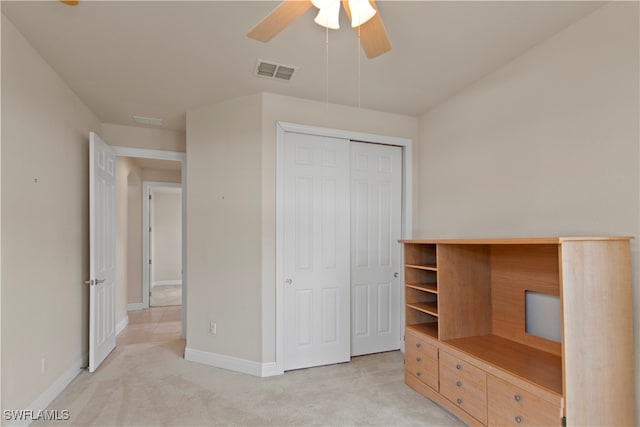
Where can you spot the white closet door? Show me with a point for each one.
(376, 208)
(316, 251)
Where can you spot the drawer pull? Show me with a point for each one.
(418, 359)
(418, 373)
(418, 345)
(458, 366)
(518, 420)
(459, 383)
(517, 397)
(459, 401)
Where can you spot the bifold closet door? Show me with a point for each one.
(376, 208)
(316, 312)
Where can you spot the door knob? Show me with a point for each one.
(98, 281)
(395, 274)
(288, 281)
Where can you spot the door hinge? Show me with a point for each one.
(564, 421)
(149, 196)
(149, 262)
(149, 229)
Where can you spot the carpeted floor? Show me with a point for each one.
(165, 295)
(150, 384)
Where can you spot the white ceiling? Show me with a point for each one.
(160, 58)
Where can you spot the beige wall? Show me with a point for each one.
(128, 235)
(224, 227)
(1, 406)
(134, 236)
(141, 137)
(161, 175)
(546, 145)
(167, 235)
(45, 135)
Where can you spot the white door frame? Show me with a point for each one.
(182, 158)
(147, 254)
(407, 205)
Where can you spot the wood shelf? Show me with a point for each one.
(426, 287)
(425, 307)
(422, 267)
(429, 329)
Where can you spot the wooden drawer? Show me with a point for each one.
(510, 405)
(465, 385)
(421, 360)
(417, 345)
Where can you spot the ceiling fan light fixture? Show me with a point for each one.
(361, 12)
(329, 15)
(320, 4)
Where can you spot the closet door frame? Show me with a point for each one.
(407, 207)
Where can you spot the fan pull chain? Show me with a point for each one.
(327, 70)
(358, 50)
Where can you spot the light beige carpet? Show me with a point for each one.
(151, 385)
(165, 295)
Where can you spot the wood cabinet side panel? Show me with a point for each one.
(464, 291)
(597, 333)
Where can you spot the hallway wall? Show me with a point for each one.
(128, 235)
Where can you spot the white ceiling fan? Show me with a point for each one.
(364, 16)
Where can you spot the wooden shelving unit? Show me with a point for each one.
(421, 289)
(467, 344)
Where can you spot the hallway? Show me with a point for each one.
(156, 324)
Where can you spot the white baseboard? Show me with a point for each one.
(135, 306)
(270, 370)
(122, 324)
(166, 283)
(48, 396)
(231, 363)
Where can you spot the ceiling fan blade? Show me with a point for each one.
(279, 19)
(69, 2)
(373, 36)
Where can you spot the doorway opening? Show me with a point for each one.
(140, 171)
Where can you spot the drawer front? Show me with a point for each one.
(420, 347)
(425, 370)
(465, 385)
(510, 405)
(421, 360)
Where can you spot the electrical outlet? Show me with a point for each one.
(213, 328)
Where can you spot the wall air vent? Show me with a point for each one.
(272, 70)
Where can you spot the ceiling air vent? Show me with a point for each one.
(272, 70)
(148, 120)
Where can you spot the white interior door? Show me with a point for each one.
(102, 336)
(376, 225)
(316, 251)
